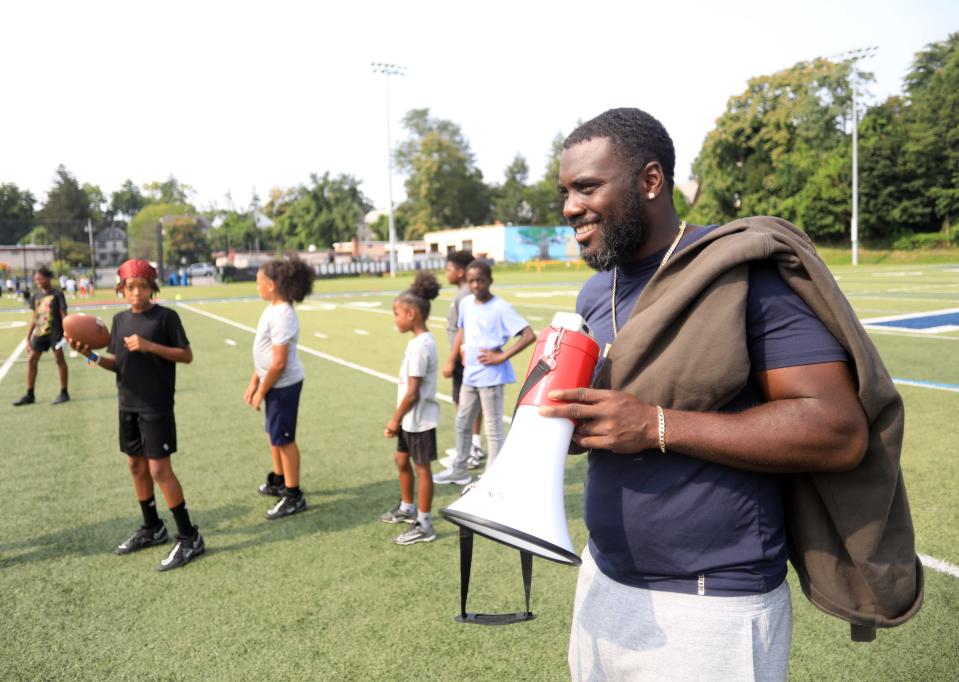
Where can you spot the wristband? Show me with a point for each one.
(662, 429)
(93, 358)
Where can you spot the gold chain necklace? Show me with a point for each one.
(669, 252)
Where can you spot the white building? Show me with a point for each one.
(111, 247)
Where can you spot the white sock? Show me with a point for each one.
(407, 507)
(425, 519)
(477, 443)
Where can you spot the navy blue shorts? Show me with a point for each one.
(281, 406)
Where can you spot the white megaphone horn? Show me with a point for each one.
(519, 500)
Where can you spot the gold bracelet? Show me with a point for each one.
(662, 429)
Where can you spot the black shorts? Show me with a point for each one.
(281, 406)
(41, 344)
(147, 435)
(457, 379)
(421, 446)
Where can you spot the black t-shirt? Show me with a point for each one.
(146, 382)
(48, 307)
(661, 521)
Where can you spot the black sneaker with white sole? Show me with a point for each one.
(143, 537)
(286, 506)
(271, 488)
(397, 515)
(416, 533)
(185, 550)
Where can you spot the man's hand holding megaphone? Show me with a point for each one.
(607, 420)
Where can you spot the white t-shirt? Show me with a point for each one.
(278, 326)
(421, 361)
(488, 325)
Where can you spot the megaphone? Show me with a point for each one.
(519, 500)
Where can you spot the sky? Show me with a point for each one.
(239, 97)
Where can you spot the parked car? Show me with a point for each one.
(202, 270)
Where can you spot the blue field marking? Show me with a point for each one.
(929, 322)
(927, 384)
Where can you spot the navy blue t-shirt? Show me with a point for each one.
(662, 521)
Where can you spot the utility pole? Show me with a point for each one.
(93, 253)
(852, 57)
(389, 70)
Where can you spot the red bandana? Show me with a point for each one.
(137, 267)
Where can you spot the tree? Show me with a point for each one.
(327, 211)
(932, 120)
(542, 238)
(511, 199)
(545, 201)
(127, 201)
(16, 213)
(99, 207)
(778, 150)
(184, 240)
(67, 208)
(443, 186)
(142, 232)
(170, 191)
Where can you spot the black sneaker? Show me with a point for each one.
(286, 506)
(27, 399)
(183, 551)
(62, 398)
(143, 537)
(271, 488)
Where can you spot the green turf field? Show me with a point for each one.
(326, 594)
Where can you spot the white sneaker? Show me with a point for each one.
(451, 452)
(452, 476)
(445, 462)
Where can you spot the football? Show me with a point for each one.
(86, 329)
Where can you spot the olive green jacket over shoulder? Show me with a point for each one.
(851, 537)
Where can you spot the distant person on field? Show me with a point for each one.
(417, 413)
(45, 331)
(456, 263)
(485, 324)
(71, 287)
(278, 377)
(146, 342)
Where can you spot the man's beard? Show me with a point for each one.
(622, 235)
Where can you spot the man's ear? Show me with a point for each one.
(652, 182)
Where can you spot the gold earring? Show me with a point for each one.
(651, 195)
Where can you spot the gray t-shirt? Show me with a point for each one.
(452, 320)
(421, 361)
(278, 326)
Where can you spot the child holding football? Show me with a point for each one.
(417, 413)
(278, 377)
(146, 342)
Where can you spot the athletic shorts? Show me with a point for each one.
(41, 344)
(457, 379)
(147, 435)
(281, 406)
(421, 446)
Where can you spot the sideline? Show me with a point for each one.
(12, 359)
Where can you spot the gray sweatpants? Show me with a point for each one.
(471, 399)
(628, 633)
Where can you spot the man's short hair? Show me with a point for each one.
(460, 259)
(44, 271)
(637, 137)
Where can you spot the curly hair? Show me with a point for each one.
(293, 278)
(423, 290)
(637, 137)
(460, 258)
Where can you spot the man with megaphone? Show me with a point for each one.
(739, 416)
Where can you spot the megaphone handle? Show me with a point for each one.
(526, 562)
(466, 562)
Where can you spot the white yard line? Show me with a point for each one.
(8, 363)
(229, 342)
(325, 356)
(939, 565)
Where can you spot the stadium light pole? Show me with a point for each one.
(389, 70)
(851, 57)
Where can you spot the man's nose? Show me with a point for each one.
(572, 207)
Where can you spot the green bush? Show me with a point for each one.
(926, 240)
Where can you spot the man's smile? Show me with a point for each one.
(584, 230)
